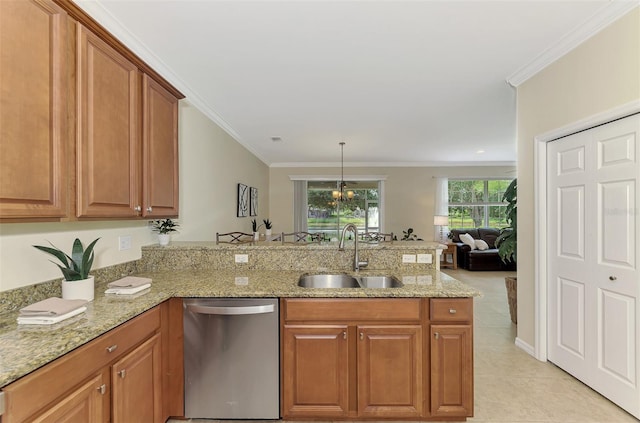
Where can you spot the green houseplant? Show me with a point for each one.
(268, 225)
(164, 227)
(77, 284)
(507, 244)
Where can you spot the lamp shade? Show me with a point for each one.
(440, 220)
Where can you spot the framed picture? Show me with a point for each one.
(243, 200)
(253, 203)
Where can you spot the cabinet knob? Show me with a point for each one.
(122, 373)
(436, 335)
(344, 334)
(149, 209)
(452, 311)
(112, 348)
(612, 278)
(137, 208)
(102, 389)
(361, 336)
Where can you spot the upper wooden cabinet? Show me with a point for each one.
(87, 129)
(108, 147)
(159, 150)
(33, 114)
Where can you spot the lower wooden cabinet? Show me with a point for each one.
(362, 365)
(315, 369)
(119, 377)
(136, 385)
(81, 405)
(390, 371)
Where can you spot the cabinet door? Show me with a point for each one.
(451, 371)
(33, 101)
(108, 132)
(159, 150)
(390, 371)
(84, 404)
(136, 382)
(315, 374)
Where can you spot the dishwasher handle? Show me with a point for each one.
(232, 310)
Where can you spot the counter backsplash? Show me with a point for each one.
(209, 256)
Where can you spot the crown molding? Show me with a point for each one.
(604, 17)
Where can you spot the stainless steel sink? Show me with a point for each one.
(379, 282)
(328, 281)
(347, 281)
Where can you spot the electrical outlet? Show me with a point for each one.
(425, 258)
(408, 258)
(124, 242)
(242, 258)
(242, 280)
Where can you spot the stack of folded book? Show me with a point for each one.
(50, 311)
(128, 285)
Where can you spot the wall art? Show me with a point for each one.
(253, 202)
(243, 200)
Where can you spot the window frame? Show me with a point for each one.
(485, 204)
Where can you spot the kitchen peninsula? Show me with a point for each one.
(435, 309)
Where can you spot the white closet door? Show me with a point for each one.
(593, 193)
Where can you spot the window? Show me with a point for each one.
(477, 203)
(325, 214)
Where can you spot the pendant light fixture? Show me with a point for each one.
(341, 195)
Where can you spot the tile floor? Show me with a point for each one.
(510, 385)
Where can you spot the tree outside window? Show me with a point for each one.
(477, 203)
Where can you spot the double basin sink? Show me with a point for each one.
(347, 281)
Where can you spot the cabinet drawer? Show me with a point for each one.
(31, 393)
(451, 309)
(352, 309)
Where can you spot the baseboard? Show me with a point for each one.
(525, 347)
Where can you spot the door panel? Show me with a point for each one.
(592, 258)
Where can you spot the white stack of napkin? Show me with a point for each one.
(128, 285)
(50, 311)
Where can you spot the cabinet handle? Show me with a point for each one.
(122, 373)
(361, 336)
(102, 389)
(452, 311)
(344, 334)
(149, 209)
(612, 278)
(436, 335)
(112, 348)
(137, 209)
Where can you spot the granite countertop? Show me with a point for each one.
(25, 348)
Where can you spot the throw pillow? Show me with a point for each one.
(481, 245)
(468, 239)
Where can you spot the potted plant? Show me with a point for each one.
(408, 235)
(507, 244)
(77, 283)
(164, 227)
(255, 227)
(267, 227)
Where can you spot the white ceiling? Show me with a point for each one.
(401, 82)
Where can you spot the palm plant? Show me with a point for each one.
(507, 242)
(77, 266)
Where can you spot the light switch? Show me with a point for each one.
(408, 258)
(242, 258)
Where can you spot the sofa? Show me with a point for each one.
(475, 259)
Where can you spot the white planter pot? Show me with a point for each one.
(267, 232)
(164, 239)
(78, 290)
(256, 236)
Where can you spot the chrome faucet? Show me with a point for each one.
(357, 264)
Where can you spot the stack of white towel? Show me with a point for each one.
(50, 311)
(128, 285)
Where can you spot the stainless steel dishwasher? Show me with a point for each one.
(231, 358)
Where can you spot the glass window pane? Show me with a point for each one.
(466, 216)
(497, 217)
(496, 190)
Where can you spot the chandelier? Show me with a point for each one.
(341, 194)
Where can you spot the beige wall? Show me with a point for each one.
(600, 74)
(409, 192)
(211, 164)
